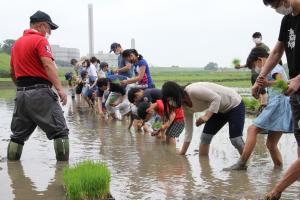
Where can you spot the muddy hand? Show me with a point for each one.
(63, 97)
(294, 85)
(199, 121)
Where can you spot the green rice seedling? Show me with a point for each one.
(116, 81)
(280, 86)
(156, 125)
(87, 180)
(112, 99)
(236, 62)
(251, 103)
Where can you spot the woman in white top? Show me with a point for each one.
(221, 105)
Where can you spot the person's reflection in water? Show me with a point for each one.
(24, 189)
(221, 184)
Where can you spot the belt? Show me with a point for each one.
(37, 86)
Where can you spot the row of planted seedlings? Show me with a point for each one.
(87, 180)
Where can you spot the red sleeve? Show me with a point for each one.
(160, 108)
(44, 49)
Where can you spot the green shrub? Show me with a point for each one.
(87, 180)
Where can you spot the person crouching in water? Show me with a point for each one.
(275, 119)
(222, 105)
(172, 127)
(137, 95)
(116, 104)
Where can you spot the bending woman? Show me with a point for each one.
(221, 104)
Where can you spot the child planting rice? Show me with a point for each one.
(173, 127)
(116, 103)
(276, 118)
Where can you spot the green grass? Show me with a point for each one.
(160, 75)
(4, 65)
(184, 76)
(87, 180)
(7, 93)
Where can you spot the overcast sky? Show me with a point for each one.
(187, 33)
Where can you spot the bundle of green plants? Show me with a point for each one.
(116, 81)
(156, 125)
(251, 103)
(112, 99)
(236, 62)
(87, 180)
(280, 86)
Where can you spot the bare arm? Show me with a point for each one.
(100, 107)
(126, 68)
(271, 62)
(273, 59)
(168, 123)
(50, 68)
(142, 71)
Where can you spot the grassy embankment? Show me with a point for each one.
(161, 74)
(182, 76)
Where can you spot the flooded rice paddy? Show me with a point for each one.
(142, 167)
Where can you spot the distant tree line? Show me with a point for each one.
(6, 46)
(211, 66)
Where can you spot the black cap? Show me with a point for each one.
(40, 16)
(114, 46)
(256, 35)
(257, 52)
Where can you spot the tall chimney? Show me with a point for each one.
(132, 43)
(91, 30)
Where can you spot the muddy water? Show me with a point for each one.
(141, 166)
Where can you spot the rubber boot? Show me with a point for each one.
(14, 151)
(61, 147)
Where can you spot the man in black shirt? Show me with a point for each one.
(288, 42)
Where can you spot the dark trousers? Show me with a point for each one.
(37, 107)
(295, 105)
(235, 117)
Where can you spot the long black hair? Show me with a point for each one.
(171, 90)
(126, 53)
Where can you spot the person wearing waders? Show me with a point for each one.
(34, 72)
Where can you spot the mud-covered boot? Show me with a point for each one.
(14, 151)
(61, 147)
(240, 165)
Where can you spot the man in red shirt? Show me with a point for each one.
(36, 104)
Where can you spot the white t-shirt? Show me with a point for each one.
(92, 71)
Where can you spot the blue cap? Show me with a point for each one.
(114, 46)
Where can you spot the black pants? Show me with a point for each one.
(37, 107)
(295, 105)
(235, 117)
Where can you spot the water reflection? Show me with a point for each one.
(142, 167)
(24, 188)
